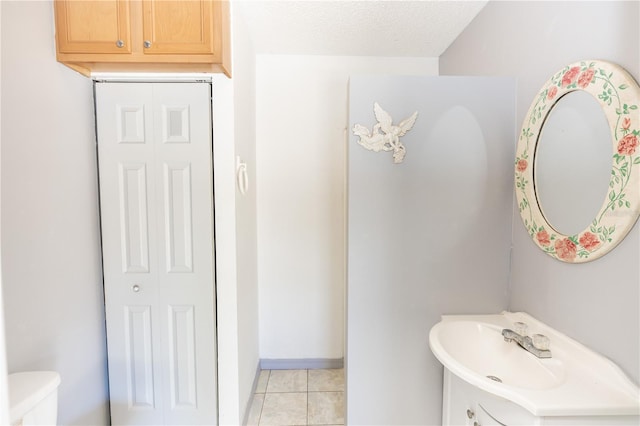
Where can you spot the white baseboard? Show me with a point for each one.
(301, 364)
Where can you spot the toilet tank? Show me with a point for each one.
(33, 398)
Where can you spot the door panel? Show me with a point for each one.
(130, 123)
(124, 120)
(156, 189)
(177, 185)
(185, 170)
(175, 124)
(139, 356)
(182, 356)
(133, 217)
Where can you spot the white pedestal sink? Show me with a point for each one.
(574, 386)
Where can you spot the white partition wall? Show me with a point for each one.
(427, 237)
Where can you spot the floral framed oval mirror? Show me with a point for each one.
(618, 95)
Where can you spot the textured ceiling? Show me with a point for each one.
(357, 28)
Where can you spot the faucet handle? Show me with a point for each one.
(541, 342)
(520, 328)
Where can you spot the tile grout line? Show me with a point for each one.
(307, 393)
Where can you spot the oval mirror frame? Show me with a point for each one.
(619, 96)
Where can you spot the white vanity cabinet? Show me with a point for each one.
(490, 381)
(465, 404)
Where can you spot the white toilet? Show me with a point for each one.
(33, 398)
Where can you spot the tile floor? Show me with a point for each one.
(298, 398)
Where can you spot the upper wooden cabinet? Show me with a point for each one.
(93, 27)
(147, 35)
(178, 27)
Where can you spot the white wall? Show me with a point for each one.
(244, 83)
(225, 235)
(597, 303)
(235, 216)
(301, 115)
(4, 397)
(51, 268)
(50, 247)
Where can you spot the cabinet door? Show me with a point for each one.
(93, 26)
(458, 405)
(178, 27)
(486, 419)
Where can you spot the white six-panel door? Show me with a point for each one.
(156, 197)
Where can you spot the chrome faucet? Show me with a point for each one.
(541, 350)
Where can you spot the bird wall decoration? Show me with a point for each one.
(385, 136)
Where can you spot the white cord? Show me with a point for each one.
(241, 176)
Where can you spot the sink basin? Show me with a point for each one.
(480, 348)
(574, 382)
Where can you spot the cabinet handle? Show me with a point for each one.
(147, 44)
(476, 424)
(120, 43)
(135, 288)
(470, 414)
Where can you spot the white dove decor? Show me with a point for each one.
(384, 135)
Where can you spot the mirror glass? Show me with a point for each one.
(573, 162)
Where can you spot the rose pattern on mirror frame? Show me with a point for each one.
(521, 165)
(586, 77)
(565, 249)
(604, 84)
(589, 241)
(543, 238)
(628, 145)
(570, 76)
